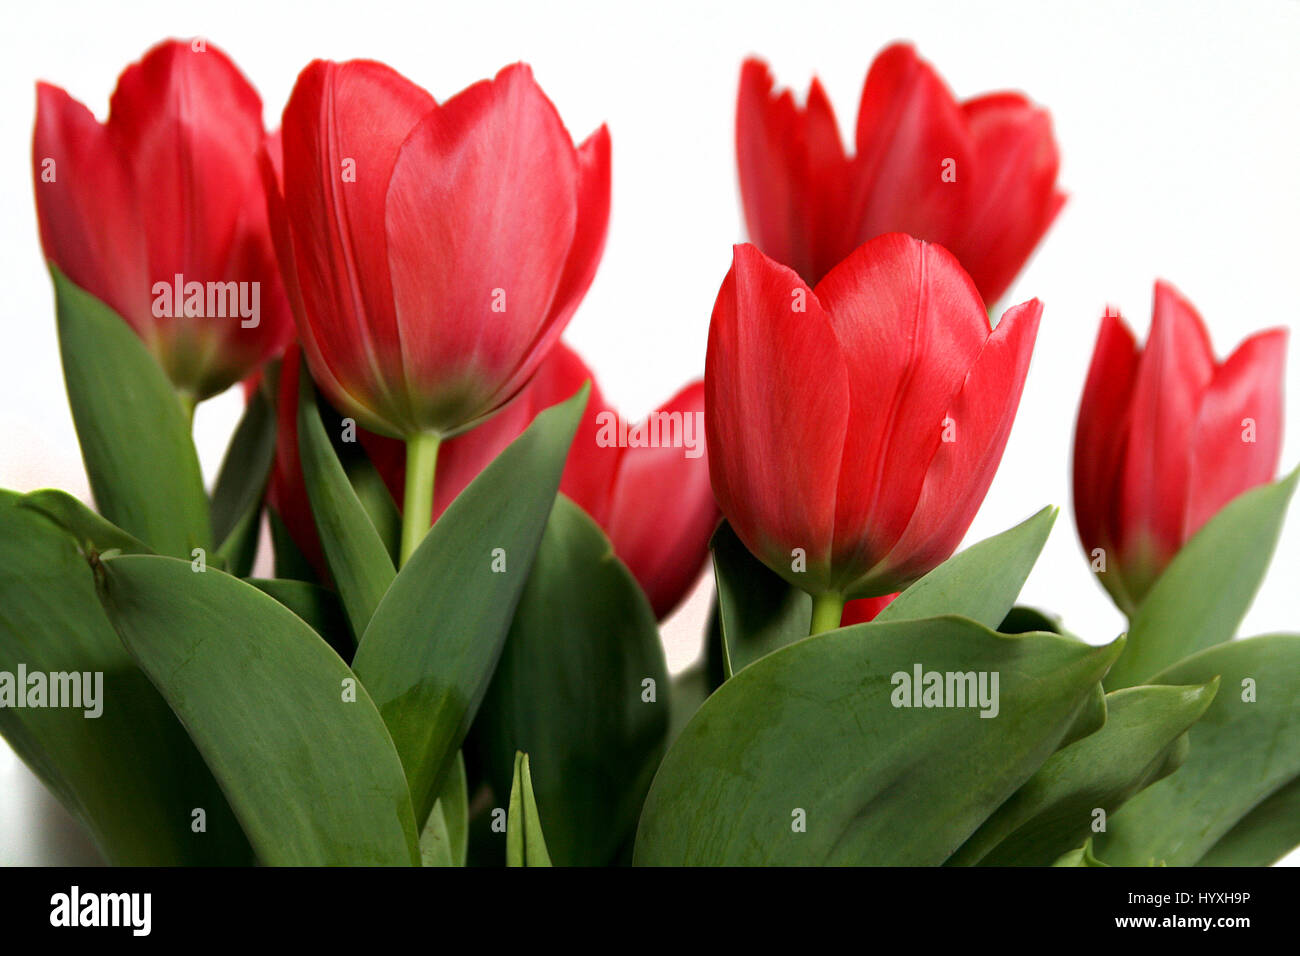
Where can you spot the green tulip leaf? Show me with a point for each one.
(445, 839)
(758, 610)
(804, 758)
(357, 557)
(130, 774)
(1263, 836)
(525, 843)
(134, 436)
(691, 688)
(243, 475)
(289, 561)
(378, 502)
(428, 653)
(982, 582)
(1080, 857)
(295, 742)
(320, 608)
(89, 530)
(582, 685)
(1143, 740)
(1201, 597)
(1245, 749)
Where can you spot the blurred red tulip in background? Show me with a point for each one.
(1167, 436)
(160, 212)
(978, 177)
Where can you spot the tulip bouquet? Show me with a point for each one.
(415, 619)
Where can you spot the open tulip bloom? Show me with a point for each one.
(446, 651)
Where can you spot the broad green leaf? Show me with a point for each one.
(759, 612)
(1080, 857)
(1245, 748)
(570, 690)
(295, 742)
(290, 563)
(130, 775)
(1204, 593)
(1264, 836)
(982, 582)
(239, 551)
(357, 557)
(1092, 717)
(244, 469)
(691, 688)
(317, 606)
(803, 757)
(445, 839)
(525, 843)
(378, 502)
(1143, 740)
(135, 439)
(429, 651)
(90, 531)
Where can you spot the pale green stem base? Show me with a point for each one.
(188, 404)
(417, 508)
(826, 613)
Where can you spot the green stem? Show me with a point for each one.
(827, 610)
(417, 509)
(188, 404)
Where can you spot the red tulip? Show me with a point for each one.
(977, 177)
(160, 212)
(854, 428)
(655, 503)
(286, 492)
(1166, 437)
(433, 253)
(865, 609)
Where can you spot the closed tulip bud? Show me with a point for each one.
(160, 213)
(854, 428)
(433, 253)
(977, 177)
(1166, 437)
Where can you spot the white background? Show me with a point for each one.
(1181, 152)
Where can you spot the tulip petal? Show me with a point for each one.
(910, 130)
(342, 129)
(1173, 373)
(481, 216)
(1238, 435)
(1015, 198)
(910, 324)
(580, 268)
(1101, 432)
(590, 228)
(89, 224)
(189, 127)
(961, 470)
(776, 412)
(795, 178)
(663, 513)
(864, 610)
